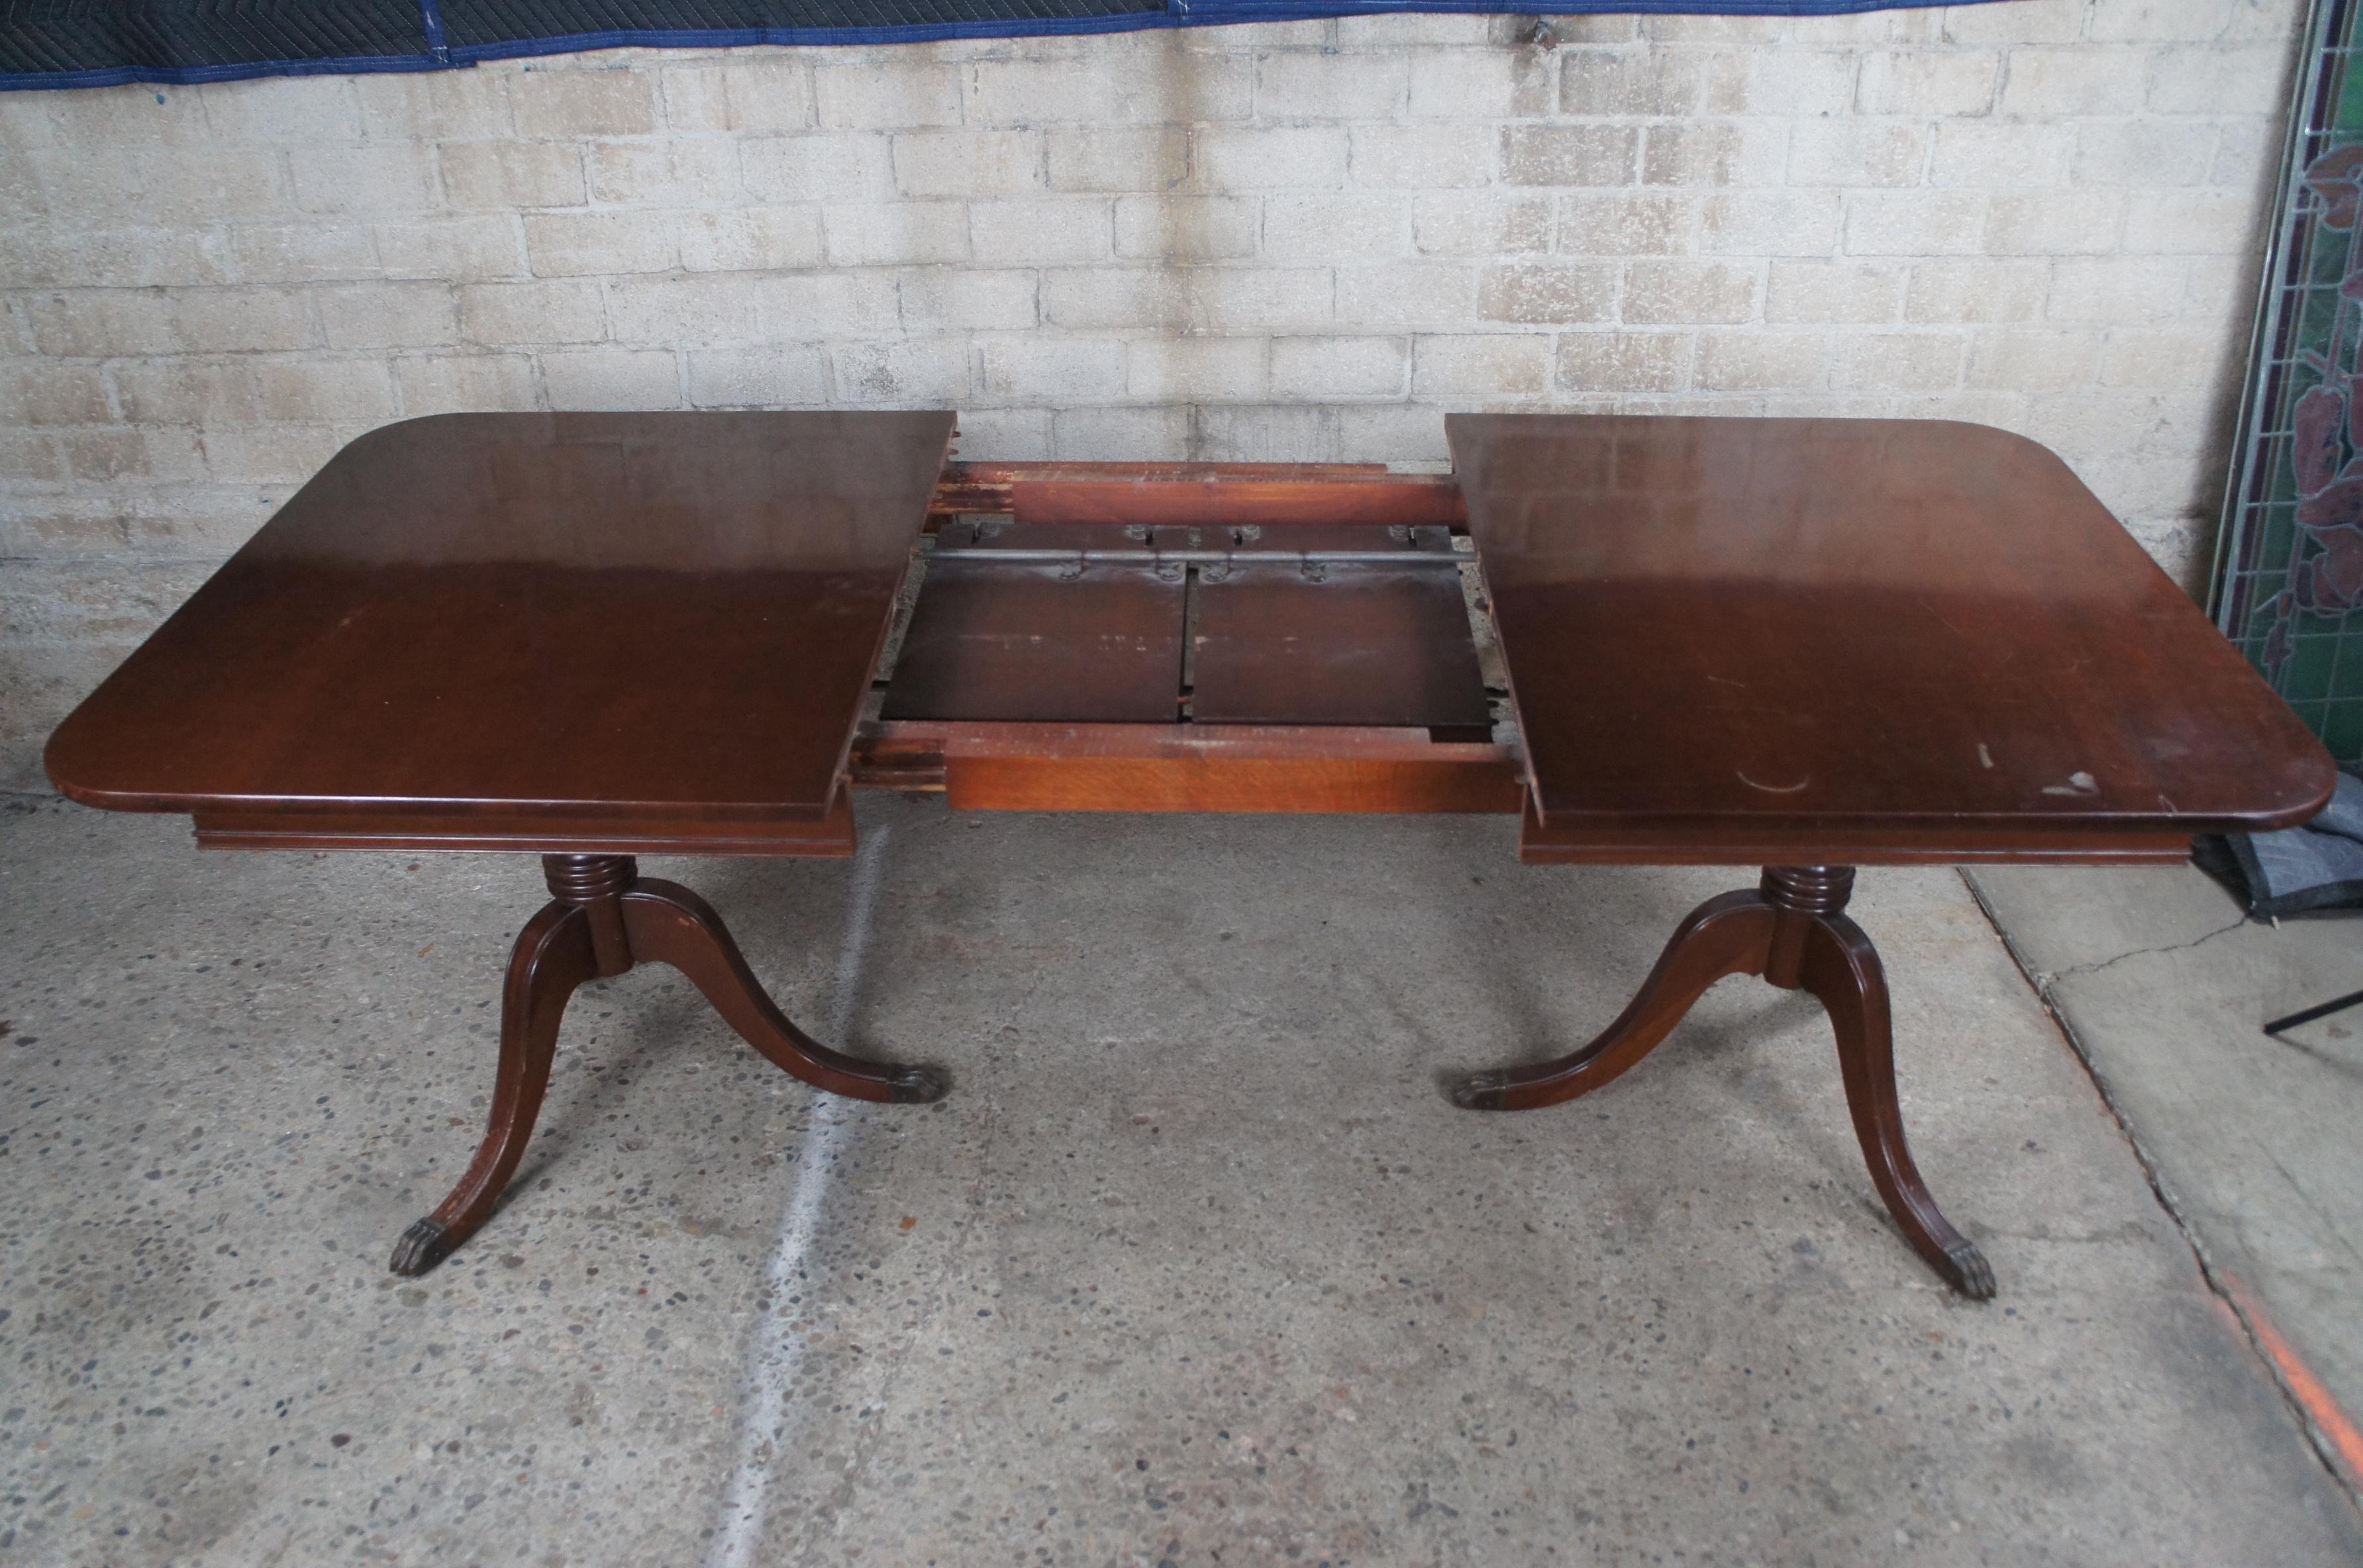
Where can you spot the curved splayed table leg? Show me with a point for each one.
(604, 920)
(1791, 930)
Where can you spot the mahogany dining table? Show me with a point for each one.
(1800, 645)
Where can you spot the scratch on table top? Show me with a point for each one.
(1773, 789)
(2079, 783)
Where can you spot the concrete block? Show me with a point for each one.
(1186, 228)
(1118, 159)
(1914, 222)
(1603, 362)
(1858, 152)
(62, 254)
(1681, 293)
(1896, 361)
(1321, 368)
(1189, 298)
(1400, 432)
(1657, 83)
(747, 239)
(967, 299)
(1771, 223)
(1541, 293)
(301, 253)
(623, 379)
(2056, 83)
(1425, 158)
(867, 233)
(1324, 225)
(465, 384)
(33, 393)
(2000, 154)
(967, 163)
(441, 105)
(2025, 22)
(105, 455)
(566, 245)
(907, 372)
(500, 315)
(2213, 79)
(2159, 21)
(1268, 158)
(502, 175)
(1834, 291)
(1978, 290)
(2160, 357)
(1005, 434)
(387, 315)
(1056, 370)
(281, 452)
(298, 111)
(1479, 85)
(1483, 365)
(383, 179)
(1403, 294)
(1265, 433)
(1174, 369)
(1721, 152)
(1474, 223)
(1797, 83)
(849, 167)
(1165, 86)
(1569, 154)
(471, 248)
(100, 323)
(569, 101)
(1761, 361)
(898, 94)
(1058, 231)
(1954, 81)
(786, 375)
(2117, 289)
(2022, 359)
(235, 320)
(766, 97)
(2054, 223)
(1292, 87)
(2209, 222)
(1119, 435)
(348, 391)
(2144, 152)
(31, 459)
(185, 392)
(680, 172)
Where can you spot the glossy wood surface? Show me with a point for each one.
(1926, 632)
(613, 617)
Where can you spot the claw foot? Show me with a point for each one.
(1480, 1091)
(917, 1086)
(1968, 1271)
(422, 1246)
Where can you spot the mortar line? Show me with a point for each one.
(767, 1422)
(2256, 1328)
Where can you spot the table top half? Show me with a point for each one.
(1718, 624)
(637, 615)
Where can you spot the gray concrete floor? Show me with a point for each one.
(1197, 1266)
(2257, 1142)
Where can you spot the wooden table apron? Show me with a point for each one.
(1807, 644)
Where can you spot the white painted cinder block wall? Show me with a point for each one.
(1292, 241)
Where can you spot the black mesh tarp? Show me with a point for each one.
(84, 43)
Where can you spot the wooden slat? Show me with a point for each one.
(1196, 768)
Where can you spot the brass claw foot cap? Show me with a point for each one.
(422, 1246)
(917, 1086)
(1480, 1091)
(1969, 1272)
